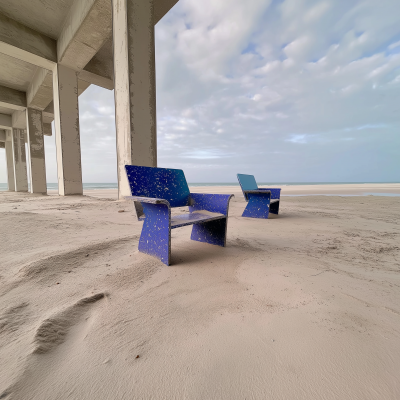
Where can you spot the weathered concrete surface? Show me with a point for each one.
(2, 135)
(21, 37)
(37, 168)
(44, 16)
(66, 121)
(102, 63)
(19, 160)
(161, 7)
(98, 80)
(47, 129)
(10, 162)
(5, 123)
(86, 28)
(38, 33)
(12, 98)
(40, 90)
(19, 119)
(16, 74)
(2, 145)
(134, 79)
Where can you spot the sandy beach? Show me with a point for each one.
(304, 305)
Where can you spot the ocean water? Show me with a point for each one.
(98, 186)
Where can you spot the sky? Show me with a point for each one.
(286, 90)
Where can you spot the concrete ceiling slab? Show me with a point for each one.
(44, 16)
(48, 16)
(14, 73)
(48, 19)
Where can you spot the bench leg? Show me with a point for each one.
(257, 207)
(155, 238)
(274, 207)
(213, 232)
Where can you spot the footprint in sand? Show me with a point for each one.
(53, 330)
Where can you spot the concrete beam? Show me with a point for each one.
(86, 28)
(82, 86)
(11, 98)
(100, 69)
(161, 7)
(97, 80)
(47, 130)
(48, 118)
(48, 112)
(18, 119)
(19, 41)
(40, 90)
(5, 122)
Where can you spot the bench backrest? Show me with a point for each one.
(161, 183)
(247, 182)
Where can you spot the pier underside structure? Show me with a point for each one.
(51, 51)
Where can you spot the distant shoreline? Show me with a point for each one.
(102, 186)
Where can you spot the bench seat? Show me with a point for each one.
(196, 217)
(263, 191)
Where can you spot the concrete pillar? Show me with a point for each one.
(135, 86)
(37, 170)
(66, 121)
(19, 160)
(10, 161)
(10, 164)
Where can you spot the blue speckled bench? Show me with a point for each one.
(260, 201)
(155, 191)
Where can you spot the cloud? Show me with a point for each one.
(304, 66)
(287, 90)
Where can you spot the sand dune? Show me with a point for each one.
(301, 306)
